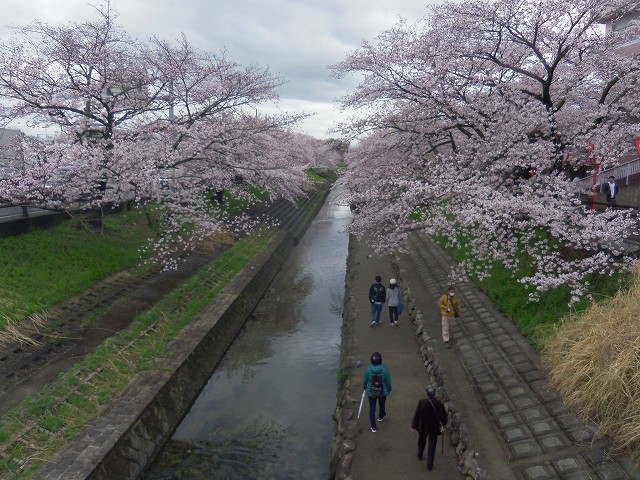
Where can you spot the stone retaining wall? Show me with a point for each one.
(17, 226)
(345, 415)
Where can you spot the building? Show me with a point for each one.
(10, 154)
(620, 24)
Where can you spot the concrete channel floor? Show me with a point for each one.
(520, 426)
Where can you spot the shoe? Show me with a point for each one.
(373, 430)
(447, 345)
(395, 324)
(381, 419)
(373, 324)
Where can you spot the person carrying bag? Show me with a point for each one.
(429, 420)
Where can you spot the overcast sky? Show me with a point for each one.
(296, 39)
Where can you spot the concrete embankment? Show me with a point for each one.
(123, 441)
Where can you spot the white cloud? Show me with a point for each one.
(297, 39)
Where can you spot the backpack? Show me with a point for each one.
(377, 387)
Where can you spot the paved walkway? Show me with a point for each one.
(520, 427)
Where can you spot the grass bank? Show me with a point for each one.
(43, 267)
(32, 433)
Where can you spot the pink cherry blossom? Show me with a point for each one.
(476, 120)
(156, 122)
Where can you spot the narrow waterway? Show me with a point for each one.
(266, 411)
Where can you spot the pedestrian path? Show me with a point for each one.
(519, 426)
(391, 452)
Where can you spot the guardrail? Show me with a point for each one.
(624, 174)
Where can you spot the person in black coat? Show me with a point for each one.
(429, 415)
(377, 296)
(611, 190)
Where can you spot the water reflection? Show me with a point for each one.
(266, 411)
(245, 454)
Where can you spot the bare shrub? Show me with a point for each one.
(210, 242)
(593, 360)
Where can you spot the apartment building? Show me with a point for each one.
(619, 24)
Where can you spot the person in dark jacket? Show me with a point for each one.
(377, 296)
(429, 415)
(611, 190)
(376, 393)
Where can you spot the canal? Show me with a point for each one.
(265, 413)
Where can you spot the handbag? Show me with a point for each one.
(400, 308)
(455, 312)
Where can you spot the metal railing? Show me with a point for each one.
(622, 173)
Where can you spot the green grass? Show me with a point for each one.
(235, 206)
(537, 320)
(42, 267)
(321, 175)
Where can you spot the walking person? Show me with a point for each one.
(449, 309)
(377, 296)
(376, 382)
(394, 299)
(611, 190)
(428, 418)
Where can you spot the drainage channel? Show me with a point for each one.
(265, 413)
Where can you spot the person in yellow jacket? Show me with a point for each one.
(449, 309)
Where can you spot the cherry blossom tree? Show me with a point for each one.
(152, 121)
(476, 120)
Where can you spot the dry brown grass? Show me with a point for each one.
(211, 242)
(16, 325)
(593, 360)
(22, 330)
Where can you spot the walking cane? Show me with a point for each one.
(361, 402)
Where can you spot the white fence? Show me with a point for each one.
(621, 172)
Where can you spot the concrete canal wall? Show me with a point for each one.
(122, 442)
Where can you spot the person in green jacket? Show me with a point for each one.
(376, 382)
